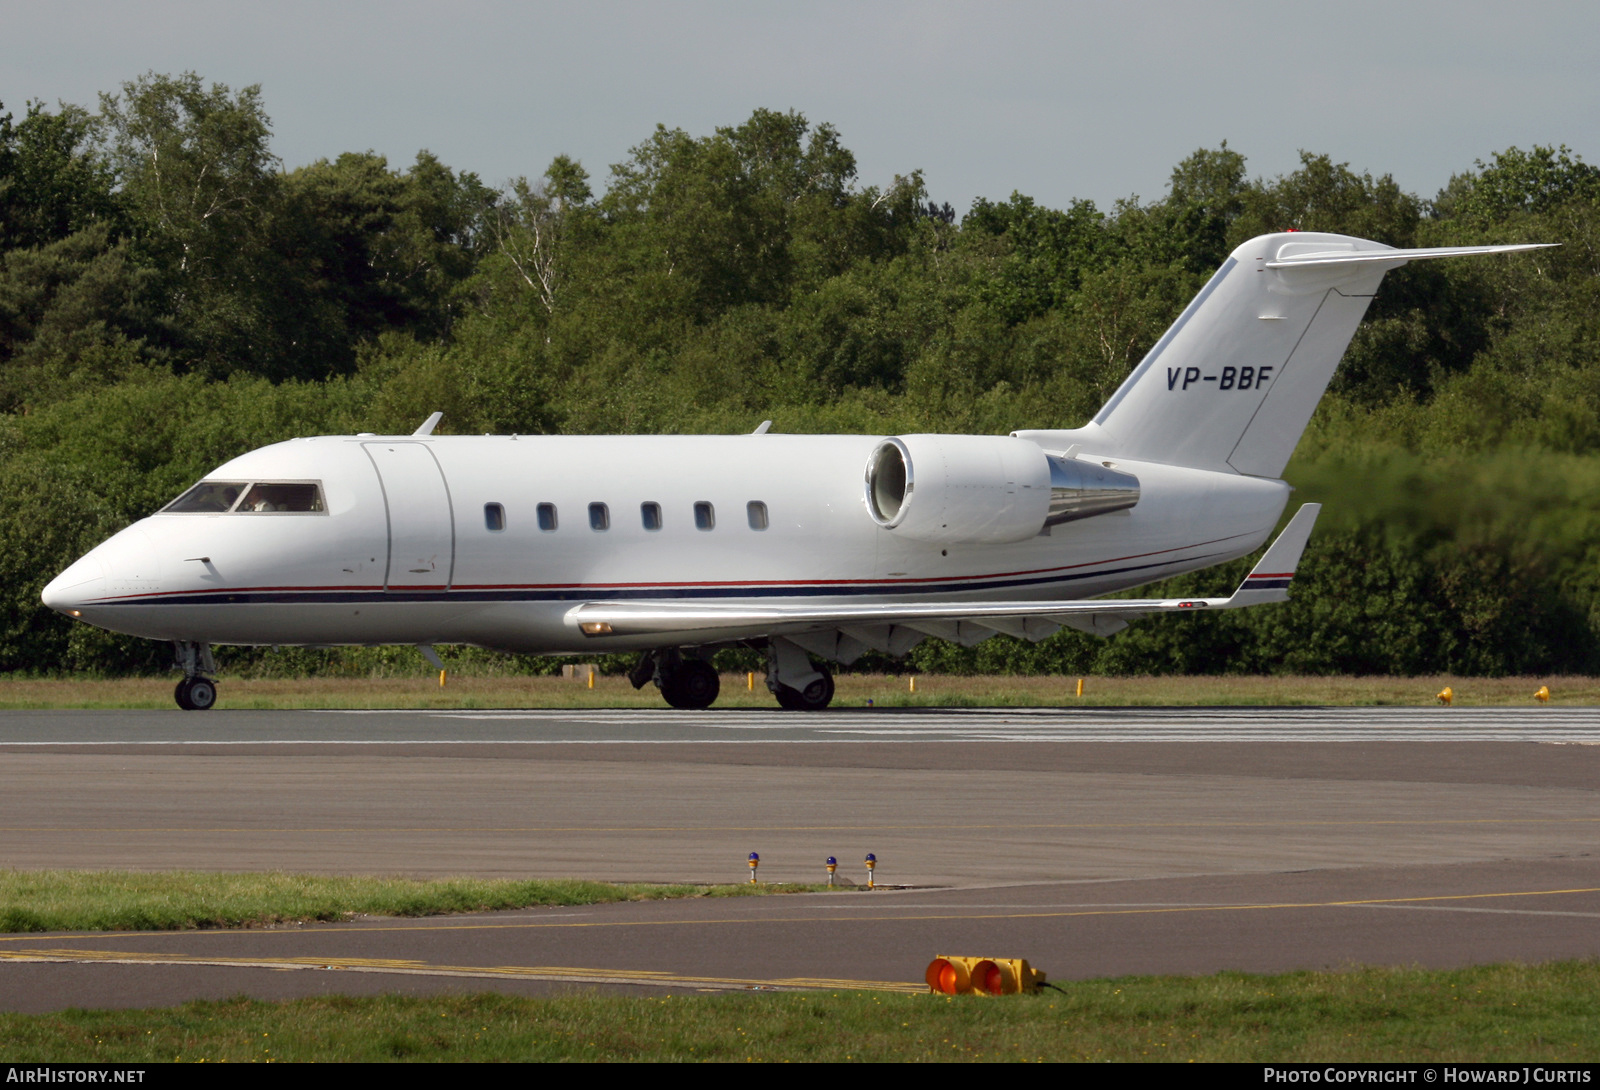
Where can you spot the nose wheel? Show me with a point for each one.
(799, 684)
(813, 698)
(195, 694)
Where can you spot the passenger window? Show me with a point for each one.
(599, 517)
(704, 517)
(547, 517)
(494, 517)
(650, 515)
(757, 513)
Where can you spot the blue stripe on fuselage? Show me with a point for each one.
(604, 593)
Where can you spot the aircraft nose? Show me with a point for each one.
(74, 588)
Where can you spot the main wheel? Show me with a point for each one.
(195, 694)
(692, 686)
(813, 698)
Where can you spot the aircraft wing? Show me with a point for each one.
(1268, 581)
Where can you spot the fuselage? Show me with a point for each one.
(493, 540)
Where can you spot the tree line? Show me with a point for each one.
(171, 296)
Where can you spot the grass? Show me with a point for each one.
(62, 900)
(1506, 1013)
(853, 691)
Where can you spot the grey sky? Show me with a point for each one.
(1058, 101)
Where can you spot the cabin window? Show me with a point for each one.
(599, 517)
(547, 517)
(650, 515)
(247, 498)
(705, 518)
(494, 517)
(756, 511)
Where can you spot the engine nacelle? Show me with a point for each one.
(983, 489)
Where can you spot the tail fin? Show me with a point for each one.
(1232, 385)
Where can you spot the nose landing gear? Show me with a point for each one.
(799, 684)
(813, 698)
(194, 693)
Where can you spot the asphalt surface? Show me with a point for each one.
(1094, 843)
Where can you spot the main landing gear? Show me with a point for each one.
(687, 683)
(195, 693)
(690, 682)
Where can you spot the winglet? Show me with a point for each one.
(1268, 581)
(429, 424)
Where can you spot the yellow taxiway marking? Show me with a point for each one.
(1151, 910)
(423, 968)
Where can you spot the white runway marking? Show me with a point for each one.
(1570, 725)
(1566, 726)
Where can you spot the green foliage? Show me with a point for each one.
(1516, 181)
(1327, 196)
(73, 312)
(52, 181)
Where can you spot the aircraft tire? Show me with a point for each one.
(694, 685)
(195, 694)
(813, 698)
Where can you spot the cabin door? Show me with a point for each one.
(422, 537)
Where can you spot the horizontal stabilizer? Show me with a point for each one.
(1394, 257)
(701, 622)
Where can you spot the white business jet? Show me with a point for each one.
(814, 548)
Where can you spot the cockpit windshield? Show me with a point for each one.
(207, 497)
(297, 496)
(249, 498)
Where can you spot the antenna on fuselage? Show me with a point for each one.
(429, 424)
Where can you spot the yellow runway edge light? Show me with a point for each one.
(950, 975)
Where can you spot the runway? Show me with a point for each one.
(664, 727)
(1093, 842)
